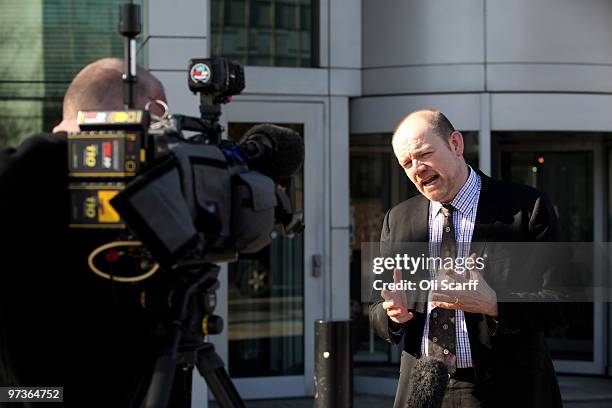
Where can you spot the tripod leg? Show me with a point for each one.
(211, 368)
(181, 389)
(158, 394)
(223, 389)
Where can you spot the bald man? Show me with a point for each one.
(60, 325)
(100, 86)
(495, 352)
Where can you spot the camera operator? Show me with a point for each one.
(60, 325)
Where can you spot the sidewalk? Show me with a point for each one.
(577, 392)
(583, 392)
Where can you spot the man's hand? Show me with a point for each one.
(482, 299)
(395, 301)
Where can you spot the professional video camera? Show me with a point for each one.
(196, 197)
(180, 203)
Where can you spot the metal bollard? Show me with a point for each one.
(333, 364)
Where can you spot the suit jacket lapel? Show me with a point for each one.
(485, 214)
(417, 230)
(419, 223)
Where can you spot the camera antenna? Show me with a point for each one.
(129, 26)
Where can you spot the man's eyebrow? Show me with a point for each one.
(411, 154)
(419, 151)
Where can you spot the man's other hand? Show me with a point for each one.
(481, 299)
(395, 302)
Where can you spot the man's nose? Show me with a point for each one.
(418, 166)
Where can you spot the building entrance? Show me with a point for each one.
(569, 169)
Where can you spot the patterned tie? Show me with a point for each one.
(442, 321)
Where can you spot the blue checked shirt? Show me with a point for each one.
(464, 205)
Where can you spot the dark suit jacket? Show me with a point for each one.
(512, 364)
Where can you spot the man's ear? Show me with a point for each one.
(456, 143)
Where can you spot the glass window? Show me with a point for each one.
(44, 44)
(265, 32)
(262, 14)
(266, 299)
(287, 15)
(376, 183)
(234, 13)
(561, 164)
(609, 231)
(470, 149)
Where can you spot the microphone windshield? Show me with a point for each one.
(428, 381)
(276, 151)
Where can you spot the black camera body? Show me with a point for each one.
(196, 197)
(218, 77)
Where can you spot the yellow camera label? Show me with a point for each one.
(91, 206)
(106, 211)
(104, 154)
(128, 117)
(91, 155)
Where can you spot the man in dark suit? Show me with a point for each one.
(495, 352)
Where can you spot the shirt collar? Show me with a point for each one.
(464, 200)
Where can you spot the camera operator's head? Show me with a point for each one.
(99, 86)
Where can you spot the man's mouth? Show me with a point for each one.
(429, 180)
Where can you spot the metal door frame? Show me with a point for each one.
(311, 114)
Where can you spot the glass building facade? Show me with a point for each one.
(265, 32)
(44, 44)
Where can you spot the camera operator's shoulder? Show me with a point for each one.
(43, 143)
(43, 148)
(38, 157)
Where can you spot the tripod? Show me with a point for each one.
(190, 305)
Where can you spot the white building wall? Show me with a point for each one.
(413, 46)
(549, 45)
(538, 64)
(445, 46)
(174, 33)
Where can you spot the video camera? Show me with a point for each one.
(185, 197)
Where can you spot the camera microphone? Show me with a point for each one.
(428, 381)
(276, 151)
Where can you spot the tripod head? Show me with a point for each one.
(187, 294)
(186, 299)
